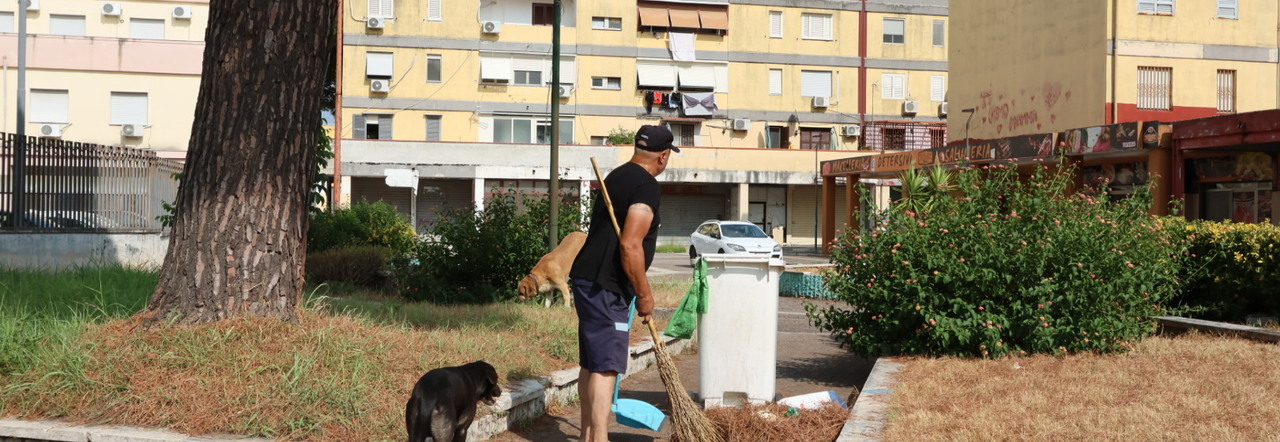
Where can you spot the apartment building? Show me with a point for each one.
(758, 93)
(1040, 67)
(107, 72)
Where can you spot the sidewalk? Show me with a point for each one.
(808, 361)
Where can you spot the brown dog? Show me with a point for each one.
(552, 271)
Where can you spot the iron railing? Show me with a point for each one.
(73, 186)
(903, 135)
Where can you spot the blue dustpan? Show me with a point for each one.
(636, 413)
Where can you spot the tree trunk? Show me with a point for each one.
(238, 244)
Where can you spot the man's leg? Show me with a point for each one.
(596, 398)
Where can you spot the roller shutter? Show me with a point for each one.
(435, 197)
(682, 214)
(805, 202)
(375, 189)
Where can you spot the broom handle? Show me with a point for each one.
(608, 203)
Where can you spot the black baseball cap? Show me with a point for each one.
(655, 139)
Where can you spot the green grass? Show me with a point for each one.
(672, 248)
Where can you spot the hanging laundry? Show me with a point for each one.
(657, 97)
(674, 100)
(681, 45)
(699, 104)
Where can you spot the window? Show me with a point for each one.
(378, 64)
(696, 77)
(893, 86)
(938, 88)
(775, 24)
(815, 26)
(543, 14)
(49, 106)
(612, 83)
(686, 134)
(895, 31)
(778, 138)
(815, 138)
(529, 130)
(599, 140)
(128, 108)
(815, 83)
(433, 10)
(894, 138)
(372, 127)
(72, 25)
(6, 22)
(149, 28)
(433, 128)
(775, 81)
(1155, 88)
(382, 8)
(525, 70)
(1162, 7)
(527, 78)
(433, 68)
(606, 23)
(937, 138)
(1228, 9)
(939, 33)
(1226, 91)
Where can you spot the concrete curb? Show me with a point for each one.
(521, 401)
(869, 412)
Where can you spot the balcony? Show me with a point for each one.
(903, 135)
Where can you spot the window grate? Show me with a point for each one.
(1155, 88)
(1226, 91)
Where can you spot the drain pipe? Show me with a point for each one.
(862, 68)
(1115, 58)
(335, 192)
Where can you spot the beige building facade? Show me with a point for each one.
(114, 73)
(758, 92)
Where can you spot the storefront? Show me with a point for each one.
(1229, 165)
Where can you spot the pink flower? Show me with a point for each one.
(981, 308)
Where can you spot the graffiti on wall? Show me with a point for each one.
(1029, 112)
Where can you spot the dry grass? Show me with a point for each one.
(1192, 387)
(768, 423)
(332, 378)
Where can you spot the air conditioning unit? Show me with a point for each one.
(131, 130)
(50, 130)
(910, 107)
(821, 101)
(852, 130)
(32, 5)
(491, 27)
(183, 12)
(379, 86)
(375, 22)
(741, 124)
(566, 91)
(111, 8)
(942, 109)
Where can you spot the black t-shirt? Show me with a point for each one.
(601, 259)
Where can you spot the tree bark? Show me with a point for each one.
(238, 243)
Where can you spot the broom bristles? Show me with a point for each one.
(688, 422)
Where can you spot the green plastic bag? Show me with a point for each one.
(685, 320)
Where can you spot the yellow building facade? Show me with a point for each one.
(115, 72)
(759, 92)
(1039, 67)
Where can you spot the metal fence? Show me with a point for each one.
(72, 186)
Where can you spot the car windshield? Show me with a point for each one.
(742, 231)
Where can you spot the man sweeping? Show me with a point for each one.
(609, 274)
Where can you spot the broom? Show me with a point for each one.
(690, 425)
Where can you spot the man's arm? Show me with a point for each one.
(639, 217)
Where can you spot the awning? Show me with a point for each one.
(495, 68)
(653, 16)
(714, 18)
(684, 17)
(656, 75)
(697, 76)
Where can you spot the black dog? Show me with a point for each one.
(443, 403)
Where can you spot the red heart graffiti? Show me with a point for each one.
(1051, 92)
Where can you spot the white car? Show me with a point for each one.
(731, 237)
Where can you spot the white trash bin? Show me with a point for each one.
(738, 336)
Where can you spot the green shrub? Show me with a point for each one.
(1234, 270)
(1000, 265)
(360, 265)
(478, 257)
(364, 224)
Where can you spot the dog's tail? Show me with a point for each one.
(417, 418)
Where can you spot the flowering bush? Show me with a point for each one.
(1235, 269)
(1002, 265)
(477, 257)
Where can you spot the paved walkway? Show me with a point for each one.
(808, 361)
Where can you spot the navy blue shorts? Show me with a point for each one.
(604, 331)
